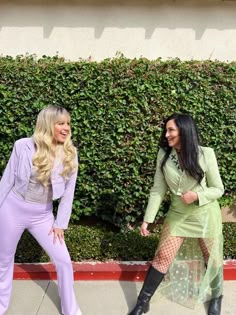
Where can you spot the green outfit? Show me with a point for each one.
(188, 280)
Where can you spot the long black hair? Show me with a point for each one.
(189, 142)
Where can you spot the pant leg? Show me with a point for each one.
(59, 255)
(11, 230)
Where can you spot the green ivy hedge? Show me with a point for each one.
(117, 108)
(98, 243)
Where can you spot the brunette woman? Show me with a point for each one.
(190, 250)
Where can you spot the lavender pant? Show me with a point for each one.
(16, 215)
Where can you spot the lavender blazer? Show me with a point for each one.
(17, 173)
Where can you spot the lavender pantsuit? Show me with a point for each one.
(16, 215)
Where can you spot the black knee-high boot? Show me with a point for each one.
(151, 282)
(215, 303)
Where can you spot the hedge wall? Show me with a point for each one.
(117, 108)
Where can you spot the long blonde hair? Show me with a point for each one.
(46, 150)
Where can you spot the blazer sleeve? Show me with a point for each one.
(157, 192)
(214, 188)
(8, 177)
(65, 204)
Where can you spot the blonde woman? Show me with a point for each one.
(41, 169)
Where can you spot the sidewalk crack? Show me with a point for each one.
(40, 304)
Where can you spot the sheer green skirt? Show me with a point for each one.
(196, 274)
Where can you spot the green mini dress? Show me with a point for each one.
(189, 279)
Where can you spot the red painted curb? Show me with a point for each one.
(126, 271)
(230, 270)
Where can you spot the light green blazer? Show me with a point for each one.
(178, 182)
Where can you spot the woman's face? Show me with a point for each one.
(61, 129)
(172, 134)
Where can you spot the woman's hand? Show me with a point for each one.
(144, 230)
(58, 234)
(189, 197)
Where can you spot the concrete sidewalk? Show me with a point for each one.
(40, 297)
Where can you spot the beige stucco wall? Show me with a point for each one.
(201, 29)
